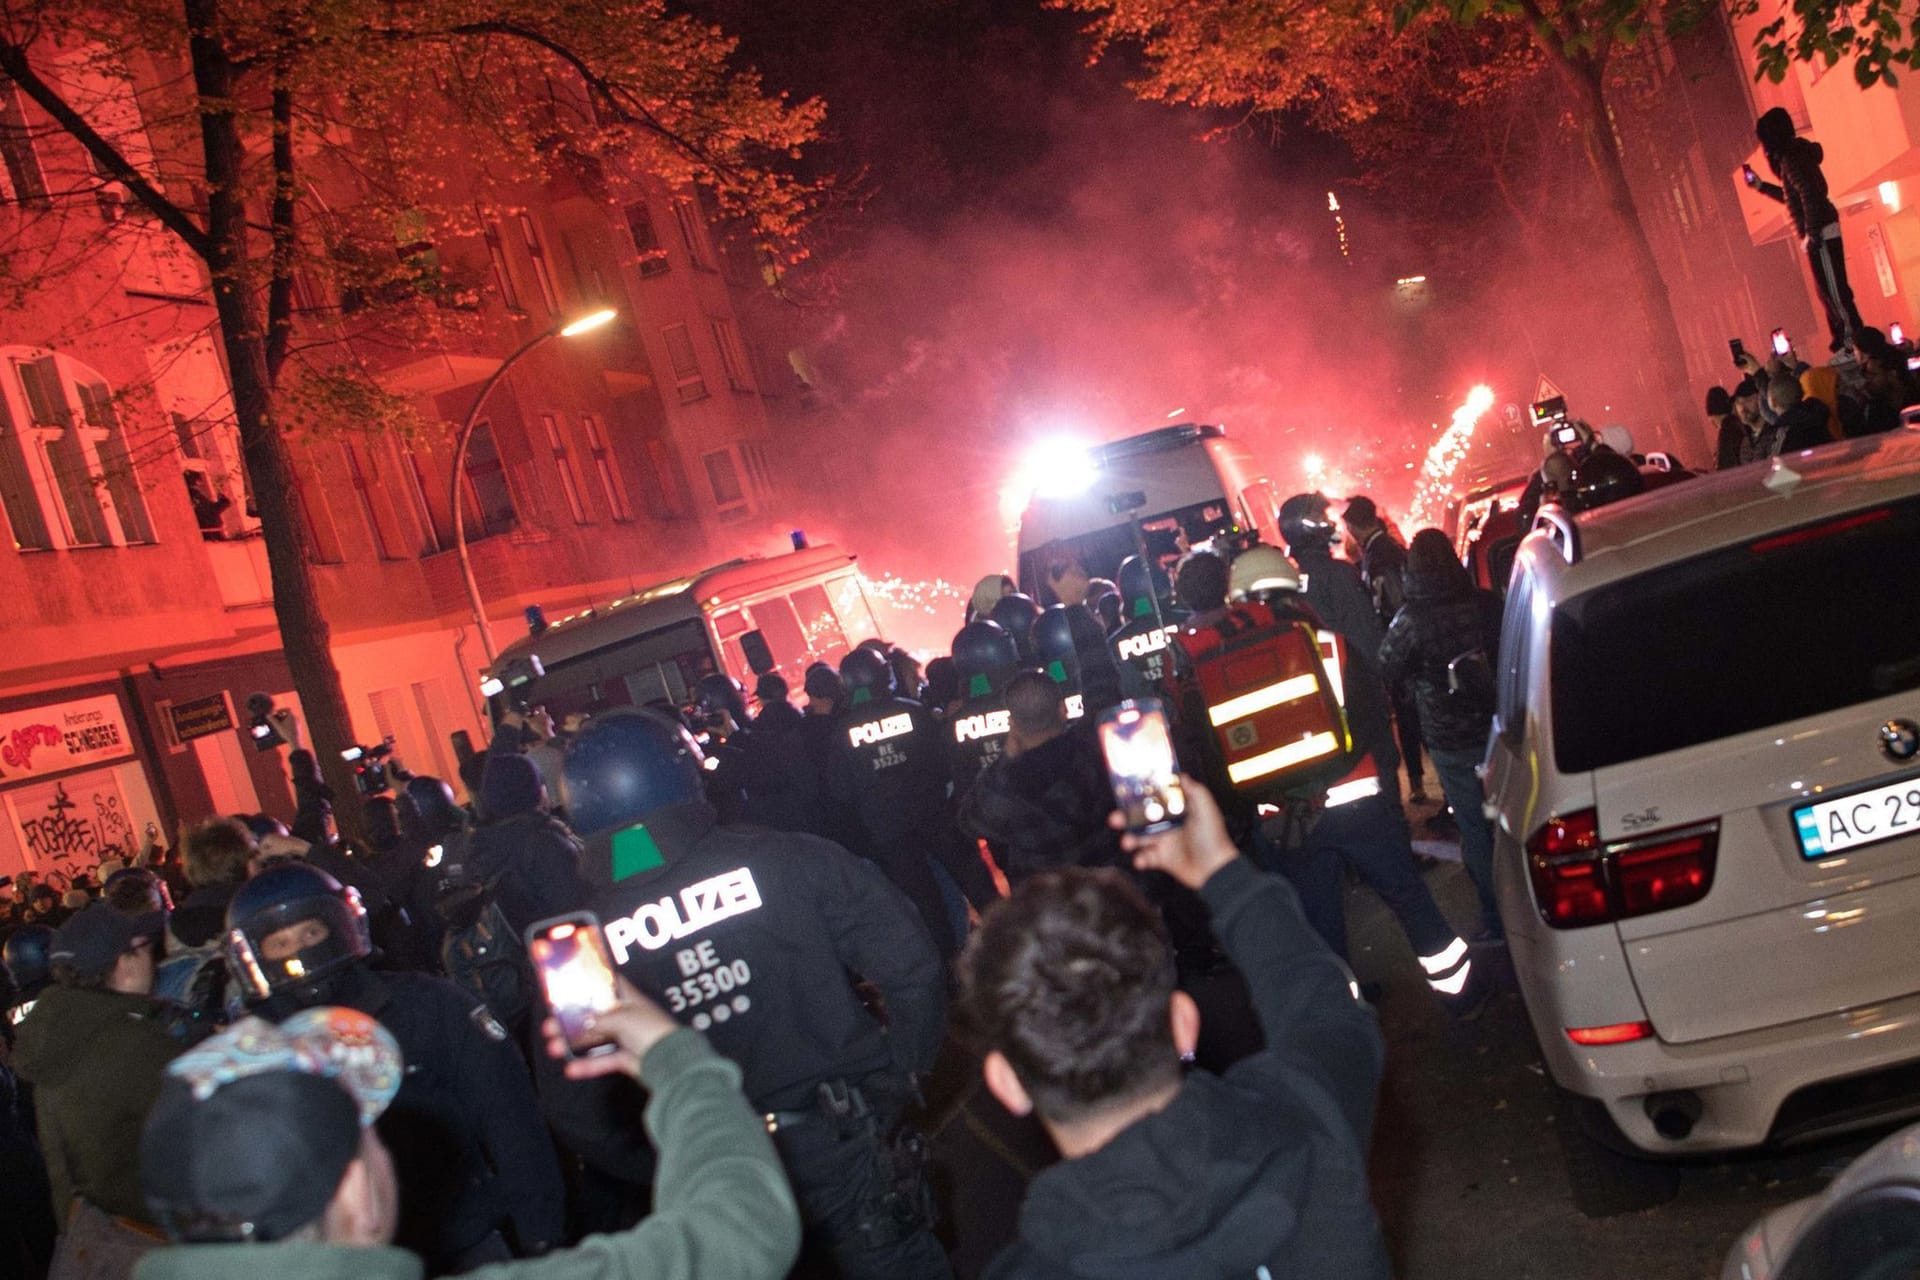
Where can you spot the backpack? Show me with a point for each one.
(1276, 721)
(481, 952)
(1470, 685)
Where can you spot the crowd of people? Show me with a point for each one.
(268, 1050)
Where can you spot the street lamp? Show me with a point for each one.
(569, 329)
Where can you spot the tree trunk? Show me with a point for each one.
(304, 632)
(1666, 360)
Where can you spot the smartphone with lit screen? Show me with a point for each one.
(1782, 344)
(1138, 746)
(576, 973)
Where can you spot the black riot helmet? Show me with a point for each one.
(1304, 523)
(868, 674)
(28, 960)
(1016, 613)
(720, 692)
(624, 766)
(428, 809)
(278, 901)
(1602, 477)
(1142, 587)
(1053, 645)
(986, 658)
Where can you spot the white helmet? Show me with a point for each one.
(1261, 568)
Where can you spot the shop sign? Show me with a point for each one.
(200, 717)
(65, 735)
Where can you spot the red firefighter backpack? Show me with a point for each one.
(1274, 711)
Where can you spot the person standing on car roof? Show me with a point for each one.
(749, 936)
(890, 766)
(1368, 829)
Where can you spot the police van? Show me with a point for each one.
(1158, 494)
(745, 617)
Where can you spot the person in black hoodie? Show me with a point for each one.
(1444, 641)
(531, 857)
(1069, 989)
(1803, 189)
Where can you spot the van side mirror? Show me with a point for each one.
(759, 656)
(1120, 504)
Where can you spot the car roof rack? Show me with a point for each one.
(1557, 523)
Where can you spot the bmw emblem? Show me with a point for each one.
(1900, 739)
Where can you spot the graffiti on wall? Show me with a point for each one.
(67, 827)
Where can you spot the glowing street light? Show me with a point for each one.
(565, 329)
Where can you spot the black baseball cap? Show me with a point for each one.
(93, 938)
(255, 1127)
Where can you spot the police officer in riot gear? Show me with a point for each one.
(750, 935)
(985, 658)
(1071, 647)
(1016, 613)
(479, 1173)
(890, 766)
(1144, 645)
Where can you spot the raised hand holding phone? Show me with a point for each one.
(577, 974)
(1191, 852)
(632, 1027)
(1138, 745)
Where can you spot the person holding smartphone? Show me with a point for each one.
(1068, 988)
(1795, 161)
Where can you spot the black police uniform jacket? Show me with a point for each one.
(890, 764)
(751, 936)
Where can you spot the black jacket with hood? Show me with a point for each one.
(1796, 162)
(1435, 626)
(1261, 1172)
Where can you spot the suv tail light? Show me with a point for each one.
(1578, 881)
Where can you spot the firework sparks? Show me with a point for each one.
(1443, 458)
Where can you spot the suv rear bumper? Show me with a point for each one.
(1744, 1081)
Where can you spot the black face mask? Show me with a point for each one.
(332, 988)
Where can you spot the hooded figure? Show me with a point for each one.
(1795, 161)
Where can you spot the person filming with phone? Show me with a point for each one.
(263, 1157)
(1068, 989)
(1795, 161)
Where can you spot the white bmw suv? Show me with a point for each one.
(1705, 779)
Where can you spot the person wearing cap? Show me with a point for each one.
(262, 1158)
(94, 1048)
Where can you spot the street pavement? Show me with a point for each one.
(1467, 1169)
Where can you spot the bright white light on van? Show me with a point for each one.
(492, 686)
(1059, 469)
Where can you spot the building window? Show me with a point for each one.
(381, 524)
(116, 463)
(502, 274)
(537, 255)
(487, 486)
(724, 478)
(323, 536)
(758, 472)
(432, 536)
(26, 182)
(25, 519)
(563, 463)
(646, 241)
(63, 452)
(685, 363)
(604, 469)
(692, 232)
(733, 358)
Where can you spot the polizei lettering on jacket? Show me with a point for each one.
(654, 924)
(1131, 647)
(982, 724)
(865, 735)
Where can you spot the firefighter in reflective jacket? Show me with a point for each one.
(1144, 646)
(1352, 819)
(889, 765)
(749, 935)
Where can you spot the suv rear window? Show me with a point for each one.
(1791, 625)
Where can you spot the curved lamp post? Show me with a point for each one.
(569, 329)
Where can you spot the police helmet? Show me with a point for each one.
(27, 959)
(626, 765)
(428, 807)
(721, 692)
(1142, 584)
(1053, 642)
(1304, 523)
(868, 675)
(985, 656)
(1603, 477)
(271, 945)
(1016, 614)
(1260, 569)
